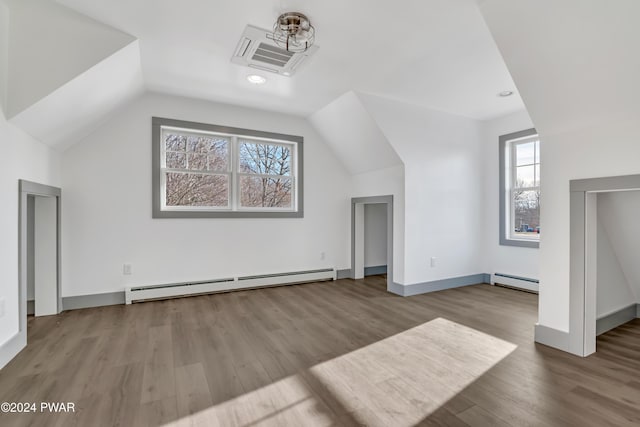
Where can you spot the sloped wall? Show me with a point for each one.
(50, 45)
(78, 107)
(65, 73)
(354, 135)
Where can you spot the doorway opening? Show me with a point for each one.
(588, 253)
(375, 239)
(39, 277)
(372, 237)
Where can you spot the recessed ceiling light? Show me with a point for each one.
(256, 79)
(505, 93)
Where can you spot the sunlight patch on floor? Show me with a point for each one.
(400, 380)
(397, 381)
(287, 402)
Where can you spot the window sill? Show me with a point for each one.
(225, 214)
(535, 244)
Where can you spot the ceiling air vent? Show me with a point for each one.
(257, 49)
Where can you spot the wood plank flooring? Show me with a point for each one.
(337, 353)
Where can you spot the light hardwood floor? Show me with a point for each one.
(332, 353)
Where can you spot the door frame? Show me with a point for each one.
(362, 201)
(26, 189)
(583, 256)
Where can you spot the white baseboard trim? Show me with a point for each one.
(552, 337)
(11, 348)
(517, 282)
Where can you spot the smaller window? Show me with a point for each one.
(520, 189)
(209, 171)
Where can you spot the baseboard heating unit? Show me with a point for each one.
(174, 290)
(517, 282)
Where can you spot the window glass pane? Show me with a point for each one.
(266, 159)
(525, 176)
(208, 153)
(258, 191)
(190, 189)
(537, 151)
(525, 153)
(537, 176)
(176, 160)
(526, 210)
(175, 142)
(198, 161)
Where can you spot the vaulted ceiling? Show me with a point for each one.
(434, 53)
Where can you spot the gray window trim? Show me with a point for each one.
(504, 240)
(157, 212)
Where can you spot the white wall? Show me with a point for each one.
(502, 259)
(107, 210)
(386, 182)
(618, 249)
(375, 235)
(584, 104)
(45, 256)
(24, 158)
(443, 188)
(613, 291)
(4, 53)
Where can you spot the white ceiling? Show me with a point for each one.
(432, 53)
(576, 61)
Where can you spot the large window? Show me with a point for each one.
(205, 170)
(520, 189)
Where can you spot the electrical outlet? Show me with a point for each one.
(322, 256)
(434, 261)
(126, 269)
